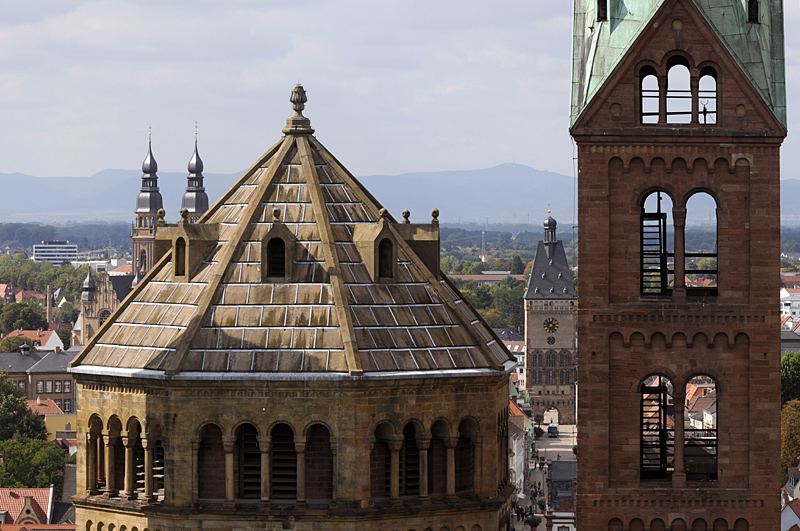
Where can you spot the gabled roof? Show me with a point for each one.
(17, 362)
(54, 362)
(39, 337)
(329, 318)
(757, 48)
(13, 501)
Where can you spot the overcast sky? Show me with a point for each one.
(394, 86)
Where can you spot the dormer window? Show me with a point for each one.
(386, 258)
(276, 258)
(277, 252)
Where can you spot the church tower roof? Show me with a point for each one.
(551, 277)
(195, 199)
(296, 270)
(149, 198)
(753, 39)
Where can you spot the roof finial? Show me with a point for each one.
(298, 124)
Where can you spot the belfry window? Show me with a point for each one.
(249, 462)
(276, 258)
(283, 464)
(752, 10)
(700, 433)
(701, 270)
(385, 258)
(648, 88)
(707, 96)
(657, 251)
(679, 91)
(602, 10)
(657, 443)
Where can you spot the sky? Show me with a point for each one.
(394, 86)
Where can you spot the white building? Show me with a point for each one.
(56, 252)
(790, 303)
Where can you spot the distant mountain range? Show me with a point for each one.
(504, 194)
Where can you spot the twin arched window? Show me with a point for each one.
(683, 102)
(665, 423)
(698, 272)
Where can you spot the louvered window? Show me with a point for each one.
(283, 463)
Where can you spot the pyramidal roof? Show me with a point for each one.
(222, 319)
(551, 277)
(599, 46)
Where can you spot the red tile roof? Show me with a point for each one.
(46, 407)
(13, 500)
(515, 347)
(127, 268)
(28, 295)
(34, 335)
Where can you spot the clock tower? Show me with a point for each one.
(550, 361)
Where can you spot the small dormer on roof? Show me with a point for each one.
(195, 199)
(149, 199)
(551, 277)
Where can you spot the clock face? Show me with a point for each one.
(550, 325)
(550, 340)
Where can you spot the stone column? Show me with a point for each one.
(91, 465)
(679, 473)
(228, 444)
(300, 448)
(129, 443)
(109, 442)
(679, 218)
(264, 446)
(101, 460)
(195, 465)
(662, 99)
(148, 471)
(394, 482)
(694, 85)
(450, 443)
(423, 445)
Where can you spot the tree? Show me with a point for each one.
(12, 343)
(67, 313)
(790, 377)
(790, 437)
(504, 240)
(538, 418)
(64, 335)
(32, 464)
(533, 521)
(22, 316)
(16, 420)
(494, 318)
(517, 266)
(528, 269)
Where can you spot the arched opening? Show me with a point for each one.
(465, 455)
(700, 429)
(386, 258)
(657, 428)
(679, 91)
(700, 246)
(380, 462)
(135, 433)
(658, 251)
(180, 257)
(276, 258)
(707, 96)
(103, 316)
(650, 96)
(319, 464)
(437, 459)
(142, 261)
(615, 525)
(247, 463)
(283, 463)
(409, 462)
(117, 457)
(211, 464)
(678, 525)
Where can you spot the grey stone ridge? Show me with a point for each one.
(52, 361)
(551, 278)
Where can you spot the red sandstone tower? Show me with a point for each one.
(678, 112)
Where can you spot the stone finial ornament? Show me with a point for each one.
(435, 216)
(298, 124)
(161, 215)
(406, 215)
(276, 215)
